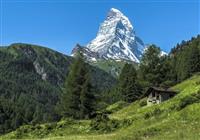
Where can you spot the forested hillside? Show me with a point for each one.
(31, 82)
(185, 58)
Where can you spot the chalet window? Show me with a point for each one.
(153, 94)
(157, 97)
(171, 95)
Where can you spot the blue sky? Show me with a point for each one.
(60, 24)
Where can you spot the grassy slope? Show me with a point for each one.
(165, 121)
(111, 67)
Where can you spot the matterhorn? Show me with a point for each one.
(116, 40)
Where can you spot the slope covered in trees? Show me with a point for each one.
(185, 59)
(31, 82)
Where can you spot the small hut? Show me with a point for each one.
(157, 95)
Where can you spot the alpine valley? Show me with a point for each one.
(102, 90)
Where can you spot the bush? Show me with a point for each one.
(147, 115)
(156, 112)
(188, 100)
(50, 126)
(198, 95)
(143, 102)
(38, 126)
(125, 123)
(103, 123)
(197, 83)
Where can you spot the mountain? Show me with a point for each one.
(31, 82)
(116, 40)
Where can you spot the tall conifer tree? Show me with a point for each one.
(128, 87)
(77, 99)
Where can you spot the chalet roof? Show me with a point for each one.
(160, 90)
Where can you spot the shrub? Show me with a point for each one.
(50, 126)
(18, 134)
(188, 100)
(156, 112)
(147, 115)
(37, 126)
(197, 83)
(143, 102)
(103, 123)
(124, 123)
(198, 95)
(172, 107)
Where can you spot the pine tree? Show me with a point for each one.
(128, 86)
(194, 60)
(150, 66)
(77, 99)
(87, 98)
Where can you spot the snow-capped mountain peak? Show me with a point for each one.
(116, 39)
(117, 15)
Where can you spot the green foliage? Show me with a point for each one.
(154, 69)
(165, 71)
(188, 100)
(26, 97)
(102, 123)
(149, 65)
(31, 82)
(143, 102)
(163, 123)
(155, 113)
(64, 127)
(185, 59)
(78, 98)
(128, 87)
